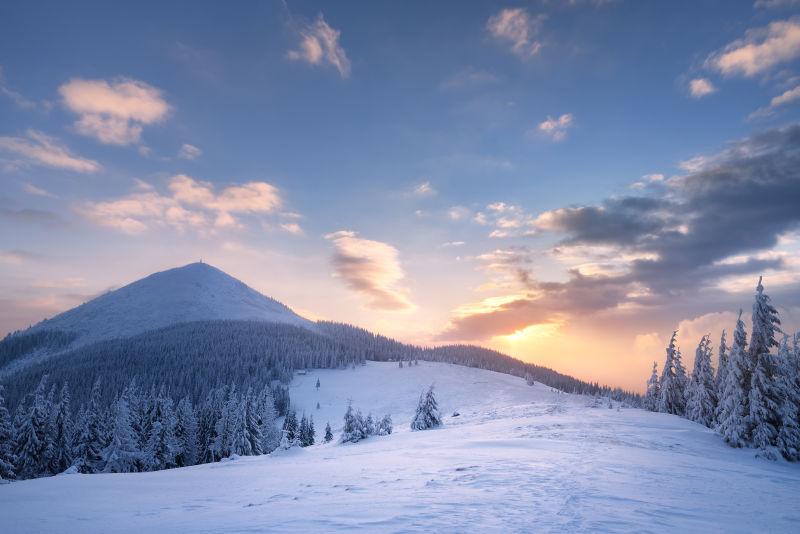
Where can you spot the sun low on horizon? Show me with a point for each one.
(565, 182)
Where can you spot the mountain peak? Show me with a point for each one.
(194, 292)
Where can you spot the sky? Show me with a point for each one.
(565, 181)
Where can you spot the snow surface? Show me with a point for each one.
(194, 292)
(518, 458)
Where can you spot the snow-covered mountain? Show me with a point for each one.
(195, 292)
(517, 458)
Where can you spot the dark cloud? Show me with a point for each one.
(681, 237)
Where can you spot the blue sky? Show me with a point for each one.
(401, 165)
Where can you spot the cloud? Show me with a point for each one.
(319, 45)
(371, 268)
(458, 213)
(556, 129)
(37, 148)
(468, 77)
(518, 28)
(192, 204)
(189, 152)
(776, 4)
(449, 244)
(787, 97)
(424, 189)
(18, 257)
(679, 242)
(649, 346)
(32, 216)
(37, 191)
(113, 112)
(700, 87)
(18, 99)
(760, 50)
(292, 228)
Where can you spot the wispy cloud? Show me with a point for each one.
(37, 191)
(424, 189)
(37, 148)
(700, 87)
(189, 152)
(518, 28)
(17, 98)
(371, 268)
(191, 204)
(319, 45)
(468, 77)
(760, 50)
(556, 129)
(787, 97)
(114, 112)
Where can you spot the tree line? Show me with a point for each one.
(753, 397)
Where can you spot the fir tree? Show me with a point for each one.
(651, 396)
(87, 456)
(701, 403)
(353, 430)
(673, 382)
(32, 438)
(61, 431)
(765, 395)
(186, 433)
(270, 434)
(427, 415)
(734, 400)
(788, 440)
(384, 427)
(7, 458)
(162, 447)
(328, 433)
(122, 455)
(252, 423)
(722, 365)
(290, 428)
(317, 384)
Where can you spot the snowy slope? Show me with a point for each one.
(195, 292)
(517, 459)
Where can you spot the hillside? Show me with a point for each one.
(195, 292)
(517, 458)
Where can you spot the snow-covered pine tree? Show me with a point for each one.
(270, 434)
(427, 415)
(162, 447)
(312, 433)
(302, 431)
(210, 413)
(239, 436)
(186, 433)
(317, 384)
(384, 427)
(722, 365)
(32, 438)
(788, 440)
(122, 455)
(353, 430)
(328, 433)
(733, 404)
(252, 423)
(673, 381)
(60, 431)
(7, 458)
(765, 394)
(369, 425)
(400, 364)
(87, 455)
(290, 428)
(701, 400)
(652, 394)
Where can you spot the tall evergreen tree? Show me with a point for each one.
(652, 394)
(186, 433)
(161, 450)
(788, 440)
(87, 455)
(427, 415)
(673, 381)
(328, 433)
(701, 403)
(32, 440)
(7, 458)
(122, 454)
(734, 400)
(61, 431)
(765, 395)
(290, 428)
(722, 365)
(266, 413)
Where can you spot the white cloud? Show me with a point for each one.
(556, 129)
(700, 87)
(518, 28)
(776, 4)
(189, 152)
(113, 113)
(36, 191)
(371, 268)
(458, 213)
(319, 44)
(760, 50)
(292, 228)
(425, 189)
(192, 204)
(787, 97)
(649, 346)
(450, 244)
(39, 149)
